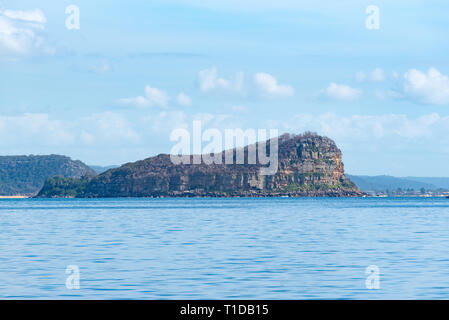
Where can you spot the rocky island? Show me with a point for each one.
(309, 165)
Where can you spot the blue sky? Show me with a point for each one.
(112, 91)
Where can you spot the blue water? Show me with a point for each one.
(279, 248)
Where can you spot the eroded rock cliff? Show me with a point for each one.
(308, 165)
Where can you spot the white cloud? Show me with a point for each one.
(221, 121)
(165, 121)
(372, 128)
(184, 100)
(270, 87)
(376, 75)
(341, 92)
(20, 33)
(431, 87)
(156, 97)
(33, 128)
(107, 127)
(153, 97)
(395, 144)
(140, 102)
(209, 81)
(38, 130)
(35, 15)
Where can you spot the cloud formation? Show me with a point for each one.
(20, 33)
(431, 87)
(209, 82)
(35, 15)
(341, 92)
(270, 87)
(393, 130)
(396, 144)
(152, 97)
(41, 130)
(184, 100)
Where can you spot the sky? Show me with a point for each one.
(111, 89)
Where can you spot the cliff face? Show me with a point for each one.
(308, 165)
(25, 175)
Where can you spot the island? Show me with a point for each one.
(309, 165)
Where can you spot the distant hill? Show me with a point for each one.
(382, 183)
(25, 175)
(309, 165)
(442, 183)
(100, 169)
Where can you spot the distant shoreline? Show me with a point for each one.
(14, 197)
(230, 197)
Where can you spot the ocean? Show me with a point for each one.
(233, 248)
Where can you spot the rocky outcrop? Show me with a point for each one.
(308, 165)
